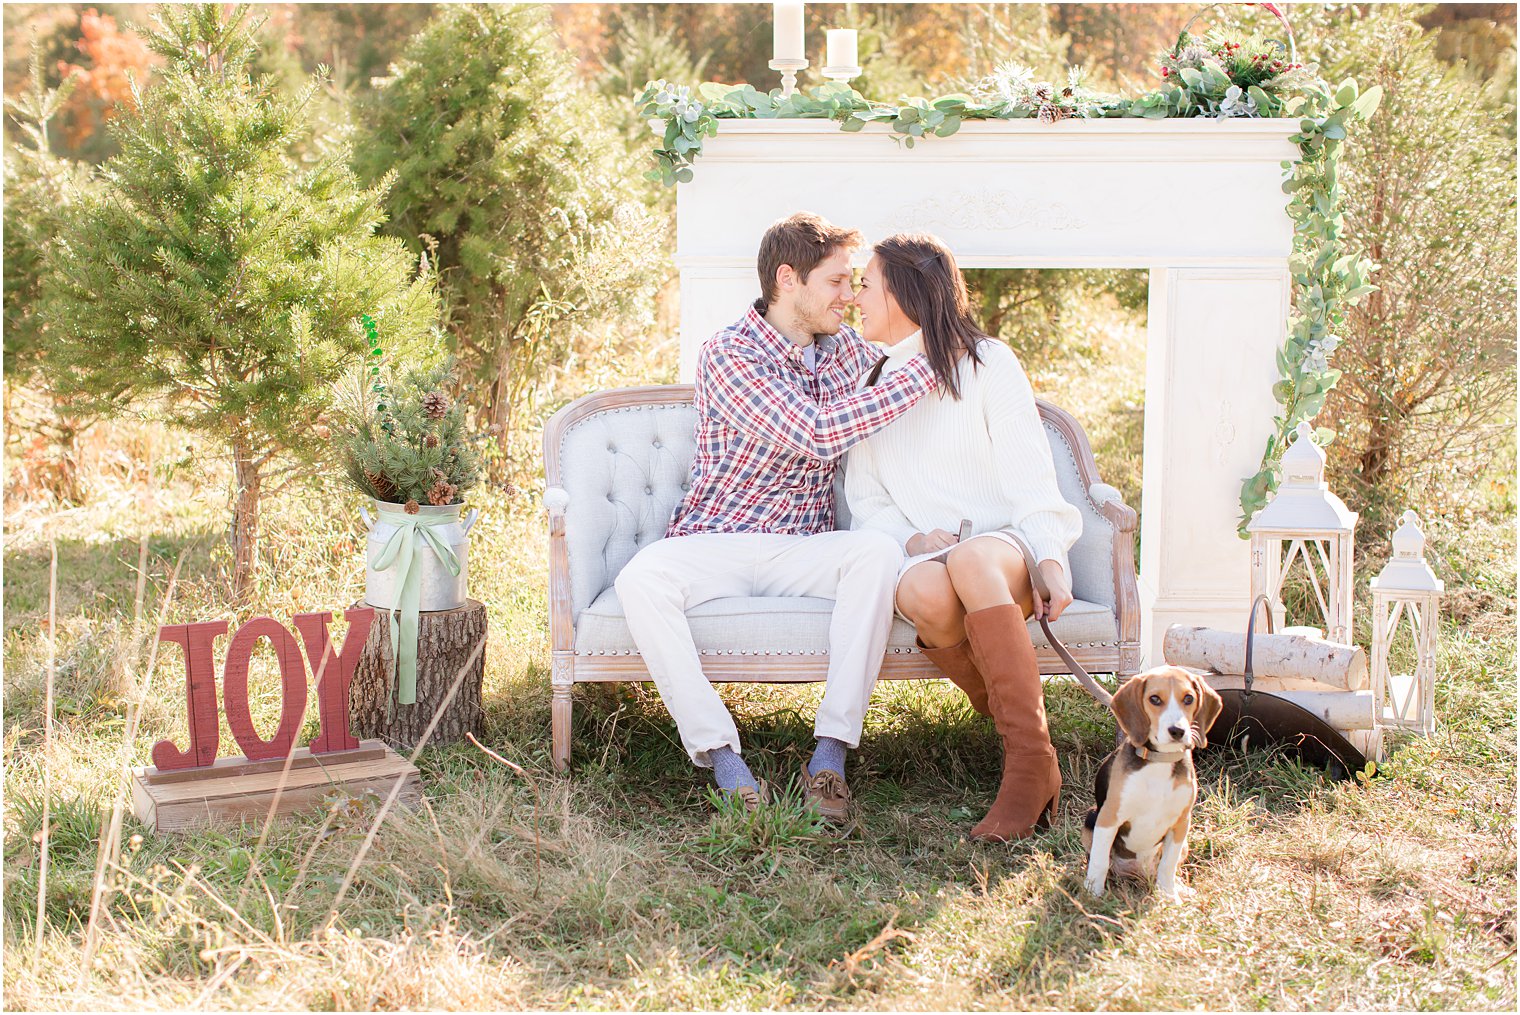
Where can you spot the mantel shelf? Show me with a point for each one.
(1196, 126)
(1182, 141)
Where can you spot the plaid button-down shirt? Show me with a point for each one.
(769, 431)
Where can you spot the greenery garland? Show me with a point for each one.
(1221, 76)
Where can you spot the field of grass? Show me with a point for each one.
(619, 885)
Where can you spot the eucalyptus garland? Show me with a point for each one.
(1221, 76)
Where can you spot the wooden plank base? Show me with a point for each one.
(235, 789)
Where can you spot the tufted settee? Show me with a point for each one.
(616, 464)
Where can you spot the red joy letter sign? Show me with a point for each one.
(200, 694)
(292, 689)
(334, 672)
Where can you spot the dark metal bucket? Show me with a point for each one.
(1251, 718)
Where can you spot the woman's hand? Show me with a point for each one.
(930, 542)
(1060, 590)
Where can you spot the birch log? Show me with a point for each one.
(1345, 710)
(1343, 667)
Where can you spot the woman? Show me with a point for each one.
(977, 451)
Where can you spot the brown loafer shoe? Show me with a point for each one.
(828, 792)
(752, 797)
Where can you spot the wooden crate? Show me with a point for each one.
(234, 789)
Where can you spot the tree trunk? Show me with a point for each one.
(501, 410)
(449, 642)
(69, 428)
(247, 478)
(1378, 380)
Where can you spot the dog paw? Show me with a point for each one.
(1176, 893)
(1094, 887)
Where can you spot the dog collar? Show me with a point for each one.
(1146, 752)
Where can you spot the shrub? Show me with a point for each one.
(509, 174)
(1428, 361)
(215, 282)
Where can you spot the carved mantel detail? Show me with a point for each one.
(986, 209)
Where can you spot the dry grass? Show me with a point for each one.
(619, 887)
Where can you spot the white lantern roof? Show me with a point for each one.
(1406, 570)
(1303, 503)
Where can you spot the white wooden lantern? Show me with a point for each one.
(1406, 589)
(1305, 525)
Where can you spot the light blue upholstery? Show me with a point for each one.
(625, 471)
(798, 626)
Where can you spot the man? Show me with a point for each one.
(776, 409)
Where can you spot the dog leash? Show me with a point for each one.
(1042, 593)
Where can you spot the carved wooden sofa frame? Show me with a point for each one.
(617, 462)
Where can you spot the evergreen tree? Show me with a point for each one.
(514, 177)
(215, 282)
(40, 186)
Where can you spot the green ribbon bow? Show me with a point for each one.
(403, 551)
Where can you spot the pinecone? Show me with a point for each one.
(1051, 113)
(435, 404)
(430, 440)
(411, 507)
(1042, 94)
(384, 488)
(442, 493)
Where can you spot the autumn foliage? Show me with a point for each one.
(109, 60)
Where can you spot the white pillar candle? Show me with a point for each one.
(788, 31)
(843, 47)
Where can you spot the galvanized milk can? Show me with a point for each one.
(440, 590)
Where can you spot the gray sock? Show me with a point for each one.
(828, 757)
(730, 769)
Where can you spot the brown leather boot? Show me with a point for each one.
(955, 663)
(1031, 786)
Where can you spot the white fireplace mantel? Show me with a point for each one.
(1197, 202)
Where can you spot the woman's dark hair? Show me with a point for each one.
(920, 273)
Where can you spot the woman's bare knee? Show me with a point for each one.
(927, 598)
(926, 590)
(977, 570)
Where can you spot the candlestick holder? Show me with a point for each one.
(788, 69)
(841, 74)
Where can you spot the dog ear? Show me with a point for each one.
(1209, 707)
(1128, 706)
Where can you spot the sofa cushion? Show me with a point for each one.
(797, 626)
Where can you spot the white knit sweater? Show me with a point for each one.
(984, 457)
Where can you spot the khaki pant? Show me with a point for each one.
(858, 570)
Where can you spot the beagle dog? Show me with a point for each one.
(1146, 787)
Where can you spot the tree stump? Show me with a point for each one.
(448, 642)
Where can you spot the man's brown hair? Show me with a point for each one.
(804, 241)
